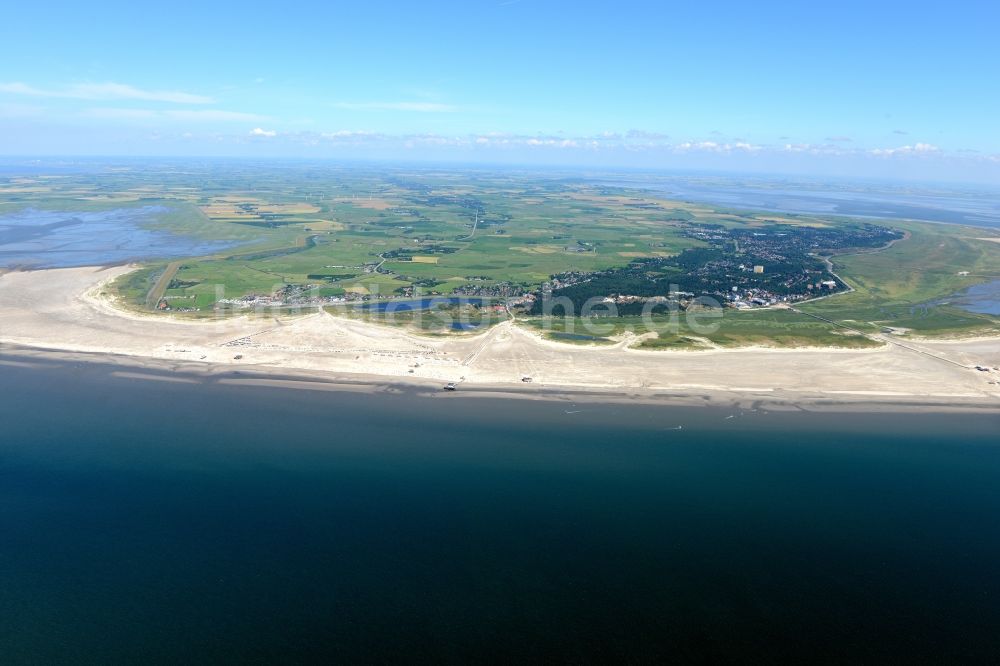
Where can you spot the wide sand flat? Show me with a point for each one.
(62, 309)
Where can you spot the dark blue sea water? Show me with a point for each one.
(150, 521)
(35, 238)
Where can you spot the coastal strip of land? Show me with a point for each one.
(52, 313)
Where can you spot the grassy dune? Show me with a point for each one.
(900, 286)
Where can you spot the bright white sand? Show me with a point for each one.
(62, 309)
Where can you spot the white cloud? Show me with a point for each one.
(828, 149)
(715, 147)
(634, 141)
(106, 91)
(419, 107)
(916, 149)
(437, 140)
(548, 141)
(608, 143)
(257, 131)
(351, 134)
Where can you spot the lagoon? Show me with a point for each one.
(418, 304)
(982, 298)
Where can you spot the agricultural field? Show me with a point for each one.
(322, 235)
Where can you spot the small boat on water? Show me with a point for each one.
(450, 386)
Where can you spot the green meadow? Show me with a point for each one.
(901, 286)
(330, 232)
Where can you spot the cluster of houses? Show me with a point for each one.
(289, 295)
(566, 279)
(755, 298)
(307, 295)
(496, 290)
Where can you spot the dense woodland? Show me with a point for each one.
(789, 259)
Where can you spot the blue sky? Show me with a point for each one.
(868, 88)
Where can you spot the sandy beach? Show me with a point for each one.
(62, 312)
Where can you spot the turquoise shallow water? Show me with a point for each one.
(152, 521)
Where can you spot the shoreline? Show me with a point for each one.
(768, 400)
(60, 314)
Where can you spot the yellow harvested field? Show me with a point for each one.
(291, 209)
(323, 225)
(232, 209)
(760, 220)
(579, 196)
(223, 210)
(785, 220)
(425, 260)
(537, 249)
(373, 204)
